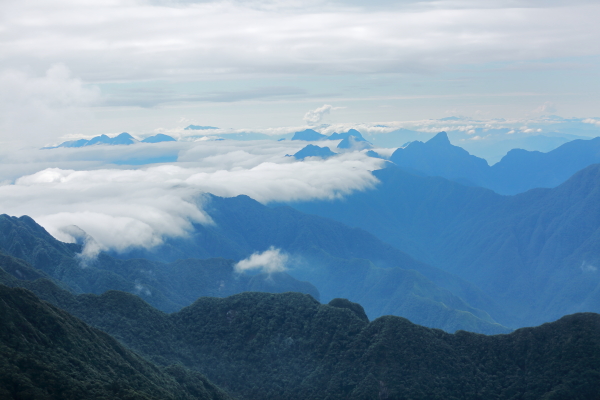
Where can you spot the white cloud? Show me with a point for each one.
(123, 208)
(315, 116)
(37, 108)
(546, 108)
(591, 121)
(269, 261)
(135, 40)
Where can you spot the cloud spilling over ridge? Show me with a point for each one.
(269, 261)
(124, 208)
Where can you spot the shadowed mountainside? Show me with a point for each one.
(167, 286)
(45, 353)
(288, 346)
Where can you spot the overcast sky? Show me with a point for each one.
(70, 67)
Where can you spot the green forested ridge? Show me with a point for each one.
(338, 260)
(288, 346)
(535, 253)
(45, 353)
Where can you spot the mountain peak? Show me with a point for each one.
(308, 135)
(440, 139)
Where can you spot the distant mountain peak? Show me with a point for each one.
(314, 151)
(352, 132)
(440, 139)
(309, 135)
(159, 138)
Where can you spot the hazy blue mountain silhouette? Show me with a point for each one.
(438, 157)
(345, 135)
(354, 143)
(121, 139)
(430, 296)
(167, 286)
(158, 138)
(313, 151)
(340, 261)
(535, 252)
(518, 171)
(308, 135)
(521, 170)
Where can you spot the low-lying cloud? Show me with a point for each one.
(269, 261)
(127, 208)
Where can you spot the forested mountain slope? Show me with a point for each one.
(288, 346)
(45, 353)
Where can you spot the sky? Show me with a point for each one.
(82, 68)
(494, 74)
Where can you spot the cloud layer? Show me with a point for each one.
(123, 208)
(136, 40)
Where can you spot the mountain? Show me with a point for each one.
(438, 157)
(313, 151)
(167, 286)
(521, 170)
(534, 253)
(121, 139)
(517, 172)
(351, 132)
(328, 260)
(288, 346)
(158, 138)
(45, 353)
(354, 143)
(308, 135)
(340, 261)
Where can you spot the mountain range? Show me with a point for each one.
(517, 172)
(121, 139)
(327, 260)
(534, 253)
(281, 346)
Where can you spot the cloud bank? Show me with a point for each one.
(124, 208)
(144, 40)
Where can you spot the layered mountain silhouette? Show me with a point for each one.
(167, 286)
(340, 261)
(352, 132)
(518, 171)
(45, 353)
(121, 139)
(351, 140)
(309, 135)
(313, 151)
(288, 346)
(534, 253)
(328, 260)
(158, 138)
